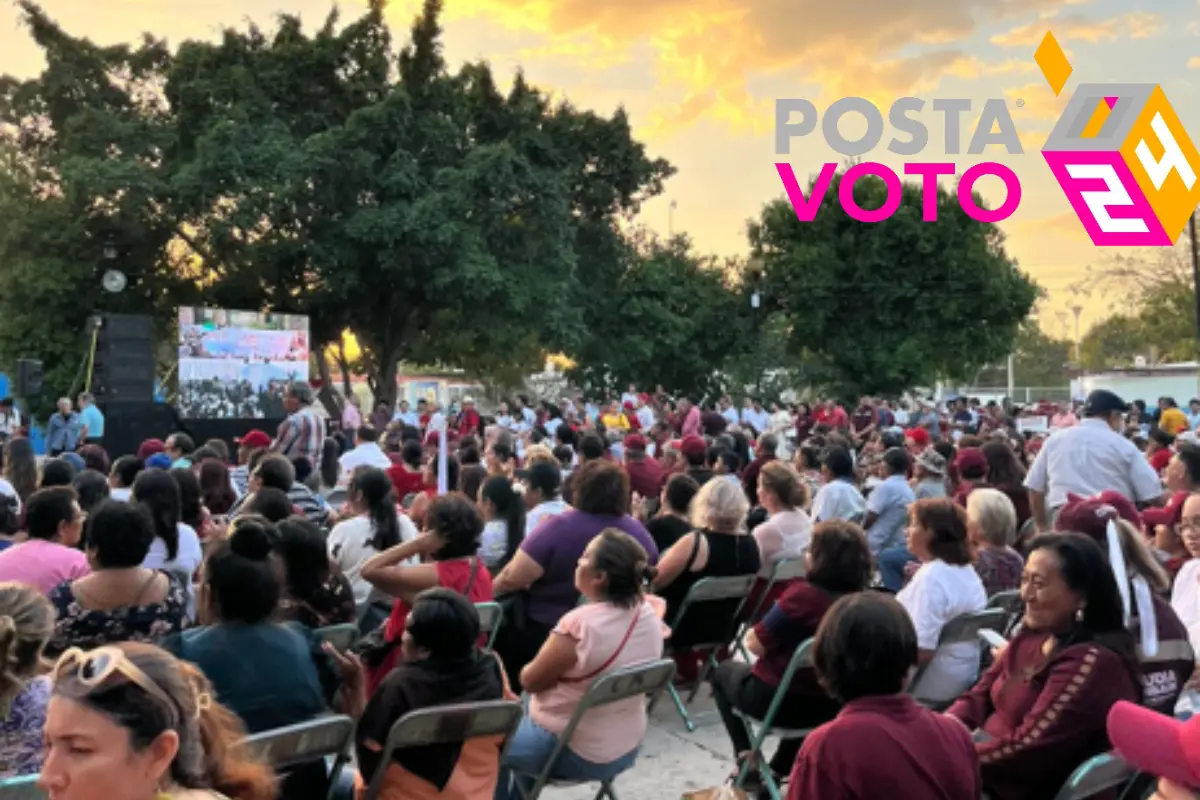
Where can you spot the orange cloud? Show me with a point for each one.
(1135, 24)
(1065, 224)
(705, 51)
(1194, 62)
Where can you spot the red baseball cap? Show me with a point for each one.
(920, 436)
(971, 460)
(149, 447)
(1090, 515)
(254, 439)
(1168, 515)
(1156, 743)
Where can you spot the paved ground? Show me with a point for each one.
(673, 761)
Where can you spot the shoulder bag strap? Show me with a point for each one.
(471, 581)
(637, 612)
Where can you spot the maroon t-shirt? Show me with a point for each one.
(863, 417)
(793, 618)
(645, 477)
(884, 747)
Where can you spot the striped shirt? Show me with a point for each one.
(301, 436)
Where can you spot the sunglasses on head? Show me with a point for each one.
(93, 668)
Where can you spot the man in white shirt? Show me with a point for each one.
(1088, 459)
(366, 452)
(756, 416)
(728, 412)
(839, 498)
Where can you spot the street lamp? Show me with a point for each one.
(1077, 310)
(756, 300)
(114, 280)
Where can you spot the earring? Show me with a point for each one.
(1079, 615)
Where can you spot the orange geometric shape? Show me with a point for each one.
(1165, 163)
(1099, 117)
(1053, 63)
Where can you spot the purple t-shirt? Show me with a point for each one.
(556, 546)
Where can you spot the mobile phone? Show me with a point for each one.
(992, 638)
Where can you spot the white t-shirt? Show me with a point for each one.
(1185, 599)
(938, 593)
(839, 500)
(350, 546)
(9, 490)
(784, 535)
(121, 495)
(188, 557)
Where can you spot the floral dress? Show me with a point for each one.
(21, 731)
(82, 627)
(331, 604)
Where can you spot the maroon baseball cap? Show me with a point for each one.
(1168, 515)
(254, 439)
(635, 441)
(149, 447)
(1087, 515)
(693, 447)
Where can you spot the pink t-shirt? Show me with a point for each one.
(42, 564)
(608, 732)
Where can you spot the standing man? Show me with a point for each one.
(62, 429)
(302, 433)
(91, 421)
(1088, 459)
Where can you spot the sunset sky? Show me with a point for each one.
(700, 77)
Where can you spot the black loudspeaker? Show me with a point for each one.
(29, 378)
(126, 425)
(123, 363)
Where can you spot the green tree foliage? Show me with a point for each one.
(1154, 309)
(670, 318)
(880, 308)
(439, 219)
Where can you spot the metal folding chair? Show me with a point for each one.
(962, 629)
(447, 724)
(22, 788)
(639, 680)
(305, 743)
(785, 570)
(1096, 775)
(801, 659)
(706, 592)
(491, 616)
(1012, 605)
(342, 637)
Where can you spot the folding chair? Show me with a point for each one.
(342, 637)
(1097, 774)
(962, 629)
(22, 788)
(801, 659)
(1012, 605)
(710, 591)
(491, 615)
(305, 743)
(447, 724)
(647, 679)
(785, 570)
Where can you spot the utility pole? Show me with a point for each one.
(1196, 286)
(671, 220)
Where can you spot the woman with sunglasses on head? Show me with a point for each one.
(26, 622)
(130, 722)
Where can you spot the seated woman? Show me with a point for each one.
(943, 588)
(26, 622)
(1040, 709)
(838, 563)
(882, 743)
(441, 665)
(315, 592)
(273, 680)
(616, 627)
(1165, 656)
(176, 546)
(450, 544)
(121, 600)
(503, 512)
(992, 529)
(542, 572)
(717, 547)
(787, 531)
(131, 721)
(50, 554)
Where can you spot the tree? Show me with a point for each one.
(881, 308)
(438, 219)
(670, 318)
(1040, 360)
(1153, 309)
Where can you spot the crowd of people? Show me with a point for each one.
(182, 588)
(223, 399)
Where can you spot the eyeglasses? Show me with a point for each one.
(92, 668)
(1189, 524)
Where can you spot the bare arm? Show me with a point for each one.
(519, 575)
(673, 562)
(1037, 507)
(554, 660)
(388, 573)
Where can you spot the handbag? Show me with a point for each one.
(375, 646)
(515, 608)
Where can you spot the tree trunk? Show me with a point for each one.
(344, 366)
(325, 394)
(388, 370)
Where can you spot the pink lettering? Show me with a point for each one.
(1012, 191)
(929, 173)
(806, 208)
(890, 180)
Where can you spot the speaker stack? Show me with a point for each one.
(123, 381)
